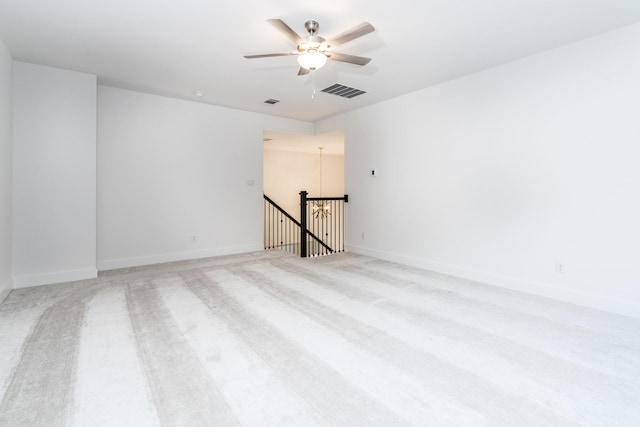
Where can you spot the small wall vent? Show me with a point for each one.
(343, 91)
(271, 101)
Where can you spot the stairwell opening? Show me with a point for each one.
(293, 163)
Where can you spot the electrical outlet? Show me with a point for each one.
(193, 238)
(362, 235)
(560, 268)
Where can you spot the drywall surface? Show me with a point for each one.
(5, 170)
(178, 179)
(524, 176)
(54, 175)
(287, 173)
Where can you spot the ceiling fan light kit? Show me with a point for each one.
(312, 60)
(313, 51)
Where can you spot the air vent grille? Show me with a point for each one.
(343, 91)
(271, 101)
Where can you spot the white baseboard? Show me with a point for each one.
(5, 289)
(112, 264)
(53, 278)
(599, 302)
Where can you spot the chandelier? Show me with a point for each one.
(321, 208)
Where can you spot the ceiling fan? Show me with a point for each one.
(313, 50)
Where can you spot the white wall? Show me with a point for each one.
(54, 175)
(286, 173)
(169, 170)
(500, 175)
(5, 170)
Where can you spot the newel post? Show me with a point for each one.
(303, 224)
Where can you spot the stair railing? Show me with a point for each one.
(282, 231)
(323, 217)
(321, 227)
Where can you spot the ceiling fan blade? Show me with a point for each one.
(302, 71)
(269, 55)
(351, 59)
(286, 30)
(354, 33)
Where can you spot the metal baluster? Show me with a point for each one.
(333, 230)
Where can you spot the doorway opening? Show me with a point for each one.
(292, 164)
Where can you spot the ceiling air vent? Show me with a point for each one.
(271, 101)
(344, 91)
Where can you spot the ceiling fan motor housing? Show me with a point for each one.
(316, 43)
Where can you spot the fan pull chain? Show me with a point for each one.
(313, 85)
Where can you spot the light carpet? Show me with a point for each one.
(268, 339)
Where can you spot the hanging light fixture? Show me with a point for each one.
(312, 60)
(321, 208)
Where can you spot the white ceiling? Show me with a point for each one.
(175, 48)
